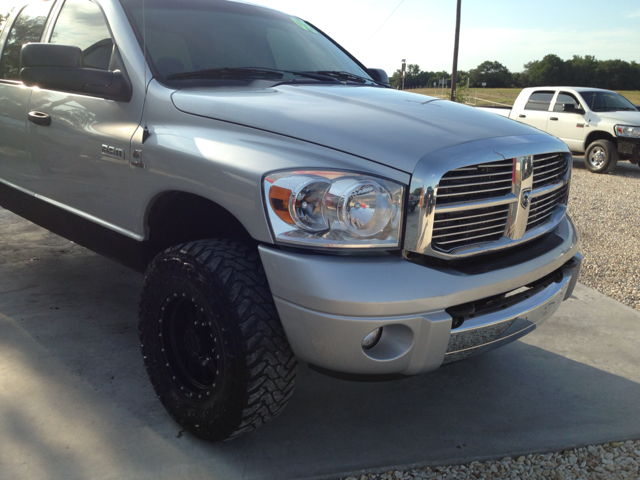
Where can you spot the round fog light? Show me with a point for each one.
(372, 339)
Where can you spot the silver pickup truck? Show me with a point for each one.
(261, 176)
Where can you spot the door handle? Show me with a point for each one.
(555, 119)
(40, 118)
(522, 116)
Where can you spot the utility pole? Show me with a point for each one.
(455, 55)
(404, 71)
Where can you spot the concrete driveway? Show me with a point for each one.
(75, 401)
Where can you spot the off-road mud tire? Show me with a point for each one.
(213, 345)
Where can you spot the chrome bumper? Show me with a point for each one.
(493, 330)
(328, 304)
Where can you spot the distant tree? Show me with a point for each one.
(3, 18)
(581, 71)
(549, 71)
(617, 75)
(494, 74)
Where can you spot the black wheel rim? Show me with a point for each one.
(191, 346)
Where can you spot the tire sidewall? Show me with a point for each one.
(609, 150)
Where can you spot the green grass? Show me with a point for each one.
(498, 96)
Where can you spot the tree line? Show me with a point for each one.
(551, 70)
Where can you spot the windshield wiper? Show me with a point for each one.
(348, 77)
(226, 72)
(248, 73)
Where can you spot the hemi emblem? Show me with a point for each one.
(113, 151)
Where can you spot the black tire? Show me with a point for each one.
(213, 345)
(413, 208)
(601, 156)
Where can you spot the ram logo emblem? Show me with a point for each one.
(113, 151)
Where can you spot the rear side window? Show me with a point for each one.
(27, 28)
(82, 24)
(539, 101)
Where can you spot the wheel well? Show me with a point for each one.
(178, 217)
(593, 136)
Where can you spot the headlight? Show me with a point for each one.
(325, 209)
(627, 131)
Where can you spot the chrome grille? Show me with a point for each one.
(473, 201)
(549, 169)
(456, 229)
(543, 206)
(476, 182)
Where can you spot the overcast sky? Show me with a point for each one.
(383, 32)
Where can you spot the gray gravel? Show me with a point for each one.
(604, 209)
(612, 461)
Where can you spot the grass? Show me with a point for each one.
(501, 96)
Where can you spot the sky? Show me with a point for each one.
(381, 33)
(513, 32)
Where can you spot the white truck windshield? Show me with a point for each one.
(607, 101)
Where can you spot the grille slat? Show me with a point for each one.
(464, 177)
(476, 182)
(453, 230)
(468, 217)
(541, 204)
(488, 220)
(472, 238)
(533, 216)
(542, 207)
(486, 226)
(548, 169)
(447, 195)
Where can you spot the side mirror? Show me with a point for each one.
(378, 75)
(571, 108)
(59, 67)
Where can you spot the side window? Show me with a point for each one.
(82, 24)
(565, 99)
(27, 28)
(539, 101)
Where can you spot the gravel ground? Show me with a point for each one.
(612, 461)
(604, 209)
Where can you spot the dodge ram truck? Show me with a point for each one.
(261, 178)
(601, 124)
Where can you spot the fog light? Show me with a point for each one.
(372, 339)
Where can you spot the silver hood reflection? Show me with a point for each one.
(383, 125)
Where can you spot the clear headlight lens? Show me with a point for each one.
(326, 209)
(627, 131)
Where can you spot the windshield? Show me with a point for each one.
(220, 38)
(607, 102)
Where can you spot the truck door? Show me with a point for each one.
(536, 110)
(81, 160)
(14, 96)
(568, 121)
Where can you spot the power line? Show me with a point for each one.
(380, 27)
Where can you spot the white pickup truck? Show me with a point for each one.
(602, 124)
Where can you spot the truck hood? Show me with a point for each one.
(623, 118)
(383, 125)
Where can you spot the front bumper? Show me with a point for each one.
(328, 304)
